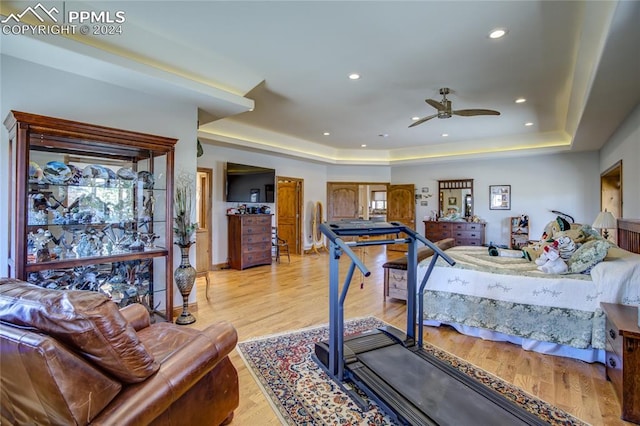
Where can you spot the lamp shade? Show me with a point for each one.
(605, 220)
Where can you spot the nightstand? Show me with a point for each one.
(623, 357)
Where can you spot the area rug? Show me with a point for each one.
(301, 393)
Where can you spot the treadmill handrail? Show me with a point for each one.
(432, 246)
(345, 248)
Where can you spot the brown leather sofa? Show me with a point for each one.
(74, 358)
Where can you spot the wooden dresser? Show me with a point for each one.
(464, 233)
(623, 357)
(249, 240)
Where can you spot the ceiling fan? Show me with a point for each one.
(444, 109)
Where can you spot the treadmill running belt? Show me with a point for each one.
(444, 398)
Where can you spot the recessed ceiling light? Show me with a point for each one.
(354, 76)
(415, 118)
(444, 135)
(497, 33)
(326, 133)
(528, 124)
(521, 100)
(364, 145)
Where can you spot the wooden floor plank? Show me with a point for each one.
(282, 297)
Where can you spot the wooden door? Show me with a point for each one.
(289, 212)
(203, 217)
(342, 201)
(401, 207)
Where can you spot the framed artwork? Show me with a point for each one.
(452, 201)
(499, 197)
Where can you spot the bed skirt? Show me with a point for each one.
(555, 331)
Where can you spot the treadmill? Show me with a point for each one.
(389, 365)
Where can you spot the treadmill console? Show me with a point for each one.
(353, 227)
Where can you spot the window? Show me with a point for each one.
(378, 200)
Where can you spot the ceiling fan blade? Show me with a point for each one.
(437, 105)
(422, 120)
(470, 112)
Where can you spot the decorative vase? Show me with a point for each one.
(184, 277)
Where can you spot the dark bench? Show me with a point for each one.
(395, 271)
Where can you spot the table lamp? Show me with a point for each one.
(605, 220)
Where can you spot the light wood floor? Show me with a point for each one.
(281, 297)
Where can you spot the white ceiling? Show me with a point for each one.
(272, 75)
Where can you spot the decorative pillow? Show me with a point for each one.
(85, 320)
(588, 255)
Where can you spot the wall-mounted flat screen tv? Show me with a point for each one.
(250, 184)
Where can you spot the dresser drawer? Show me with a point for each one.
(261, 247)
(468, 227)
(253, 258)
(256, 229)
(256, 238)
(257, 220)
(398, 284)
(613, 362)
(614, 339)
(469, 235)
(438, 235)
(437, 226)
(468, 242)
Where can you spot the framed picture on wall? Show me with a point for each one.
(499, 197)
(452, 201)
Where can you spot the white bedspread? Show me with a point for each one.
(517, 281)
(615, 280)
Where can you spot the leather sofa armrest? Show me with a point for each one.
(194, 355)
(136, 315)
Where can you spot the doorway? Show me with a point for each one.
(401, 208)
(289, 212)
(204, 231)
(611, 193)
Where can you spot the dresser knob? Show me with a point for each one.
(612, 362)
(612, 334)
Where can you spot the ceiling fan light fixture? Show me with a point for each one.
(415, 118)
(326, 134)
(497, 33)
(521, 100)
(354, 76)
(529, 124)
(444, 109)
(444, 135)
(364, 145)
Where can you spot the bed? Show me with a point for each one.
(508, 299)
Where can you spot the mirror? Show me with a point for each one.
(456, 198)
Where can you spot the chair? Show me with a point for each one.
(278, 245)
(72, 357)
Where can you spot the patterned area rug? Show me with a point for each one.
(301, 393)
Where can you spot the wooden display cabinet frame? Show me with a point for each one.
(31, 132)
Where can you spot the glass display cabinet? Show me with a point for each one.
(91, 210)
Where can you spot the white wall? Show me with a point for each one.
(369, 174)
(41, 90)
(566, 182)
(215, 157)
(625, 145)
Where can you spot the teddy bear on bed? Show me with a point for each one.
(553, 231)
(550, 261)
